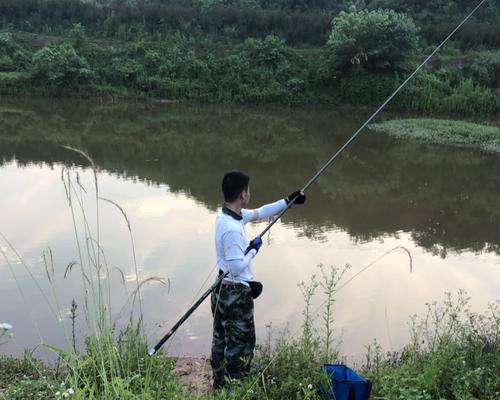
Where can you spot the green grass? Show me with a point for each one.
(441, 131)
(453, 354)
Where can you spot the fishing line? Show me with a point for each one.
(153, 350)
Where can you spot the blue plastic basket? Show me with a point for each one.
(346, 384)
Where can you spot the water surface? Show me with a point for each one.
(163, 164)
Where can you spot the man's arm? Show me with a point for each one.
(235, 257)
(263, 212)
(271, 209)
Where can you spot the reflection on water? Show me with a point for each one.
(163, 165)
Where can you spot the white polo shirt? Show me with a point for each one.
(231, 240)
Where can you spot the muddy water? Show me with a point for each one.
(163, 163)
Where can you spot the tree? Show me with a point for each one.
(12, 56)
(374, 40)
(61, 67)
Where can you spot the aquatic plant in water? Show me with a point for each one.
(442, 131)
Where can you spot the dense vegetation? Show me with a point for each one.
(286, 52)
(296, 21)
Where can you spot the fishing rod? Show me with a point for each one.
(313, 179)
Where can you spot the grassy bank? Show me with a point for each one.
(453, 354)
(255, 52)
(440, 131)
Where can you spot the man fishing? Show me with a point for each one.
(233, 339)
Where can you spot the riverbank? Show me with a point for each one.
(443, 131)
(256, 71)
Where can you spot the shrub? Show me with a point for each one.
(261, 71)
(14, 82)
(60, 67)
(375, 40)
(485, 68)
(424, 93)
(362, 88)
(471, 99)
(12, 56)
(77, 36)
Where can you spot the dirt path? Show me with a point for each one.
(194, 374)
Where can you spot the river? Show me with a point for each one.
(162, 164)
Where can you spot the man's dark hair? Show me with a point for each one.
(233, 183)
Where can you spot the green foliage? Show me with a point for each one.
(77, 36)
(436, 93)
(485, 68)
(14, 82)
(373, 40)
(362, 88)
(456, 133)
(12, 55)
(299, 22)
(120, 368)
(454, 354)
(32, 389)
(60, 67)
(470, 99)
(261, 71)
(13, 370)
(424, 93)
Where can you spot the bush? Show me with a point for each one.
(12, 56)
(437, 93)
(261, 71)
(374, 40)
(424, 93)
(471, 99)
(362, 88)
(485, 68)
(77, 36)
(14, 82)
(60, 67)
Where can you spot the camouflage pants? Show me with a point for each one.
(233, 332)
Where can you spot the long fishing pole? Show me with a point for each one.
(313, 179)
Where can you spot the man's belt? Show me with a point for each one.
(255, 287)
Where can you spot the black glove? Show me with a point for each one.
(301, 197)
